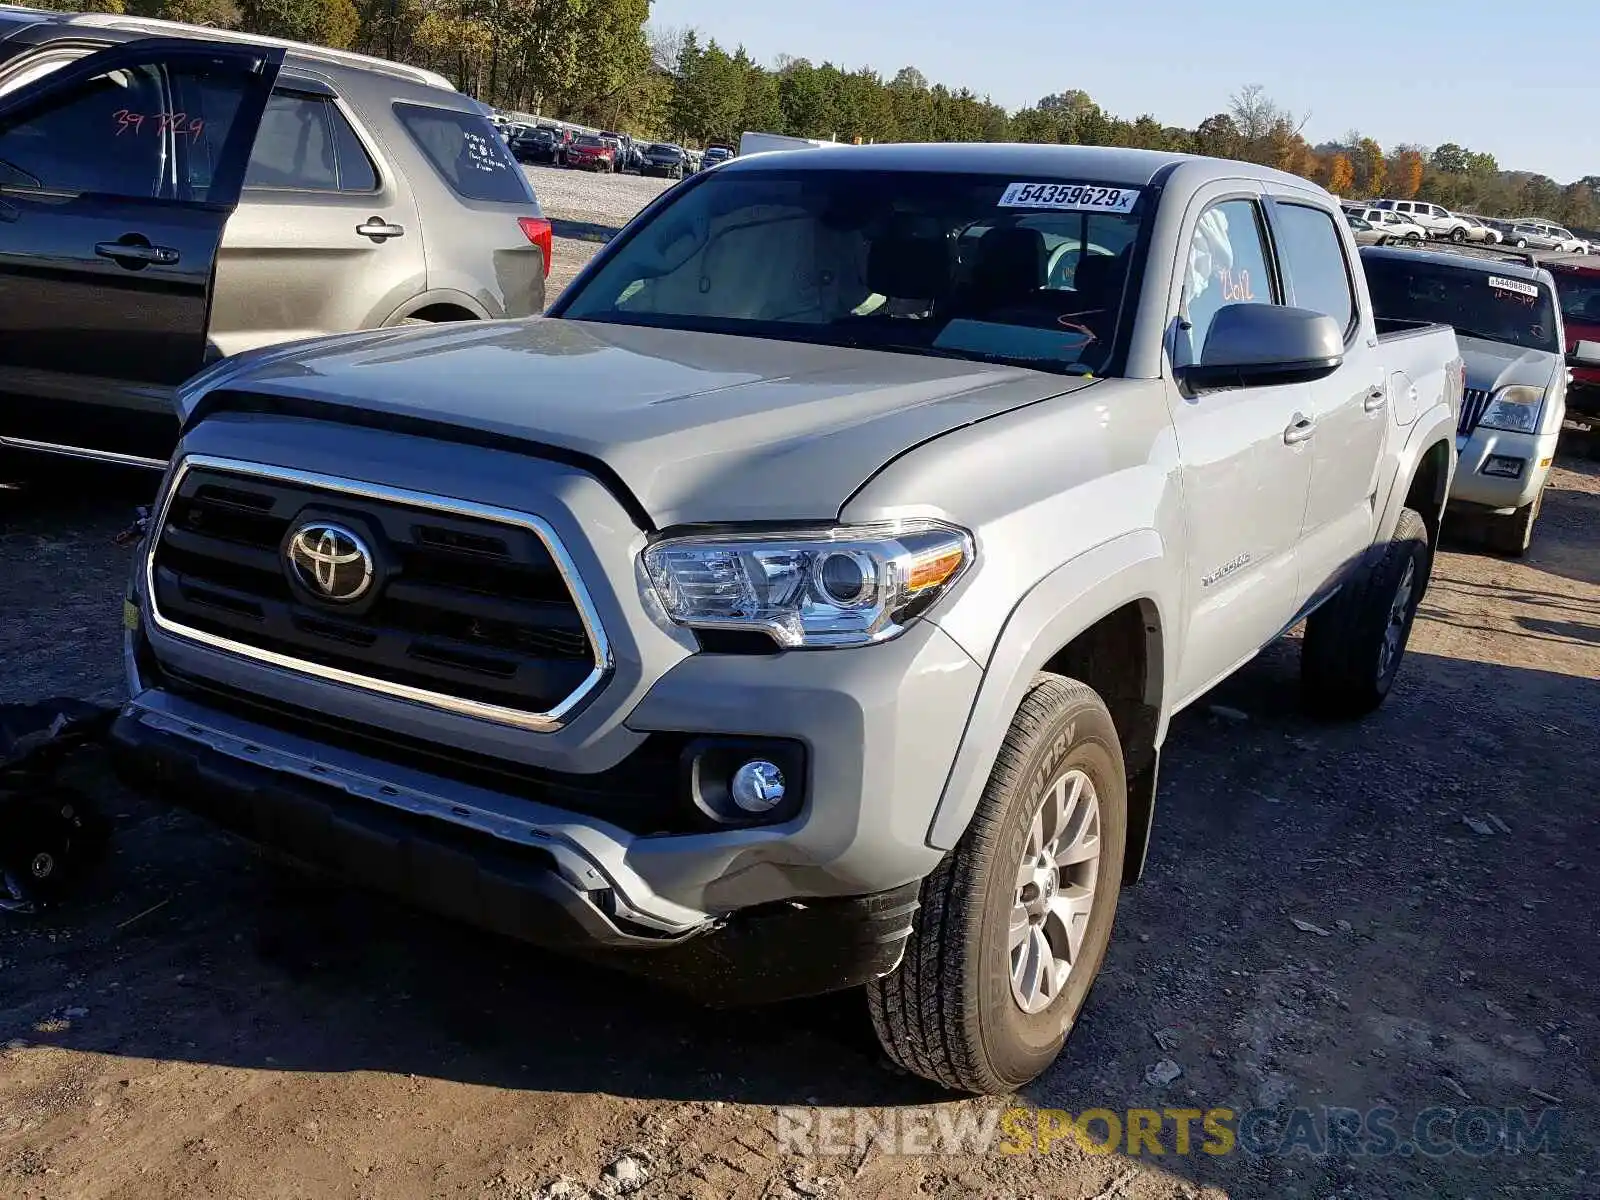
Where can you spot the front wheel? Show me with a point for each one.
(1354, 643)
(1458, 236)
(1413, 239)
(1514, 534)
(1015, 921)
(1522, 243)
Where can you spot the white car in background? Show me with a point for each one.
(1398, 227)
(1437, 220)
(1480, 231)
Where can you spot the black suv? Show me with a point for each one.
(664, 158)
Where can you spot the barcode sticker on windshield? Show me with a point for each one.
(1521, 287)
(1072, 197)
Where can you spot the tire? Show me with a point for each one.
(1458, 235)
(950, 1012)
(1513, 534)
(1354, 643)
(1413, 239)
(1522, 243)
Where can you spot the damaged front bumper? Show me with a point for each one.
(537, 877)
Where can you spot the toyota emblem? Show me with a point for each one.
(330, 562)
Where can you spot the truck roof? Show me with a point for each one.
(1105, 164)
(1514, 268)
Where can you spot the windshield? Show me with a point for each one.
(1478, 304)
(593, 143)
(968, 266)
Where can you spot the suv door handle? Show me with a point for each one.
(136, 254)
(379, 230)
(1300, 430)
(1375, 400)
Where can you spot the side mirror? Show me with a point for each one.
(1585, 354)
(1257, 345)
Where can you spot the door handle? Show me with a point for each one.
(1300, 430)
(379, 230)
(1375, 400)
(136, 254)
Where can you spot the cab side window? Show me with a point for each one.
(103, 137)
(305, 144)
(1228, 264)
(1313, 258)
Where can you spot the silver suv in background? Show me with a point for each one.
(170, 195)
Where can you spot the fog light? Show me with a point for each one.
(758, 786)
(1504, 466)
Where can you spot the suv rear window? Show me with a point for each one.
(1476, 303)
(465, 149)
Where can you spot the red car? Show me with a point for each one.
(1578, 286)
(592, 154)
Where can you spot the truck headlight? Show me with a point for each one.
(810, 588)
(1514, 409)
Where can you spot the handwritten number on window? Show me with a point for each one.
(180, 123)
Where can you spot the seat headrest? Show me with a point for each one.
(1099, 277)
(1010, 263)
(904, 267)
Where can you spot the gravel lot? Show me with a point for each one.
(593, 198)
(1398, 912)
(586, 209)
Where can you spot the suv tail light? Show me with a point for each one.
(541, 235)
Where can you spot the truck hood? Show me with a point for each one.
(1492, 365)
(699, 427)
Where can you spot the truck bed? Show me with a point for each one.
(1394, 329)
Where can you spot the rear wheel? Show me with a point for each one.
(1014, 922)
(1354, 643)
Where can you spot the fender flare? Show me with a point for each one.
(1133, 567)
(1433, 426)
(437, 296)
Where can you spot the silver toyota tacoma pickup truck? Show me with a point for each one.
(803, 603)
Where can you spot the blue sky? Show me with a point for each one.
(1517, 81)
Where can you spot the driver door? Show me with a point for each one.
(118, 173)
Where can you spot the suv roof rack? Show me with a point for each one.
(418, 75)
(1526, 257)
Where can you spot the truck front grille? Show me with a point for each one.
(1473, 403)
(472, 609)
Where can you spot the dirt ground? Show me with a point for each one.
(1394, 913)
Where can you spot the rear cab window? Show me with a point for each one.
(467, 152)
(1312, 254)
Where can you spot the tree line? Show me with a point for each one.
(599, 63)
